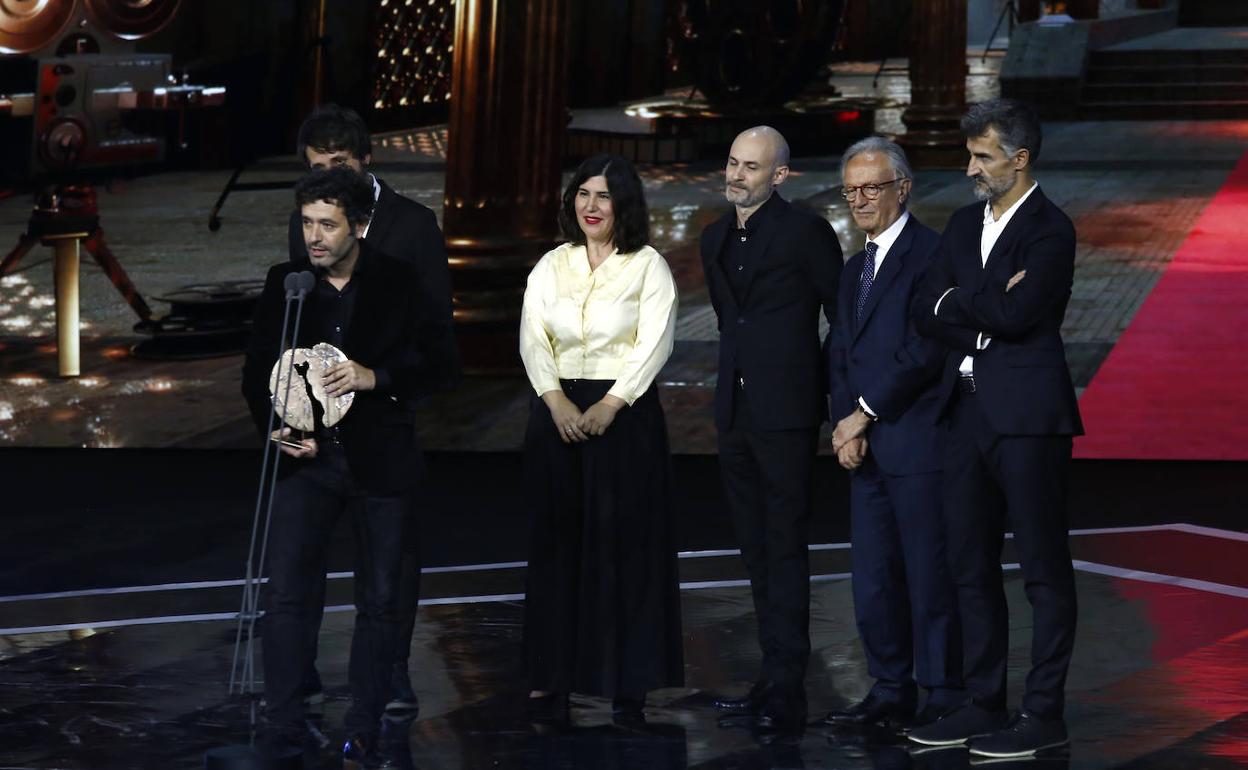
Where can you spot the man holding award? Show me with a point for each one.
(364, 349)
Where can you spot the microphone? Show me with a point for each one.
(297, 285)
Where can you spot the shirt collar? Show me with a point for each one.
(885, 240)
(1009, 213)
(764, 212)
(578, 258)
(376, 197)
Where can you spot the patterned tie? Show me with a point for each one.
(868, 277)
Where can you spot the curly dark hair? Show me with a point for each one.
(628, 203)
(331, 128)
(1016, 123)
(340, 186)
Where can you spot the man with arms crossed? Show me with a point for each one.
(883, 377)
(996, 294)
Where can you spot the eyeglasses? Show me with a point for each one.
(869, 191)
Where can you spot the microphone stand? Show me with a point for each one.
(297, 286)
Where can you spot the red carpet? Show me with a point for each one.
(1175, 386)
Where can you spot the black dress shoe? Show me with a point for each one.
(750, 703)
(929, 714)
(873, 709)
(782, 712)
(780, 720)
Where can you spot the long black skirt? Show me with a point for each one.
(602, 608)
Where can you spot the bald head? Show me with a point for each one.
(757, 163)
(769, 140)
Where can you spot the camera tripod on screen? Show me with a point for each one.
(1008, 11)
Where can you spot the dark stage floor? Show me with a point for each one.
(115, 648)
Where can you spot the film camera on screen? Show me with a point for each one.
(89, 99)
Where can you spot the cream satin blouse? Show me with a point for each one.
(617, 322)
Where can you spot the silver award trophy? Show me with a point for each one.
(307, 370)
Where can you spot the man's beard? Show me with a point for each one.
(992, 190)
(744, 197)
(330, 259)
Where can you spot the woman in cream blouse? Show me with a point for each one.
(602, 610)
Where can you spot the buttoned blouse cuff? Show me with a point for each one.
(936, 310)
(863, 403)
(622, 393)
(543, 385)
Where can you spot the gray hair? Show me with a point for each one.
(1017, 125)
(879, 145)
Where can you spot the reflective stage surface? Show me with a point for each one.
(1159, 678)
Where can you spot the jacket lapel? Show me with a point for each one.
(383, 215)
(712, 264)
(363, 328)
(893, 263)
(1010, 236)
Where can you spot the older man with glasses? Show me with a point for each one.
(883, 378)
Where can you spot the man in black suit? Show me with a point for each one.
(769, 268)
(883, 377)
(363, 304)
(401, 228)
(996, 295)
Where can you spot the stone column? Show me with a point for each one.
(503, 166)
(937, 85)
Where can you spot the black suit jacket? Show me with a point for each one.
(885, 361)
(390, 328)
(407, 231)
(1022, 380)
(772, 336)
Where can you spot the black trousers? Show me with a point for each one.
(307, 506)
(904, 601)
(409, 599)
(992, 482)
(767, 476)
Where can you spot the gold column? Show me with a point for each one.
(504, 162)
(65, 271)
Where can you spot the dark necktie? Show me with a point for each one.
(868, 277)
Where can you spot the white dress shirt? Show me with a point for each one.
(987, 239)
(376, 197)
(883, 242)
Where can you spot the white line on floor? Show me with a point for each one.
(1188, 528)
(687, 586)
(1155, 577)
